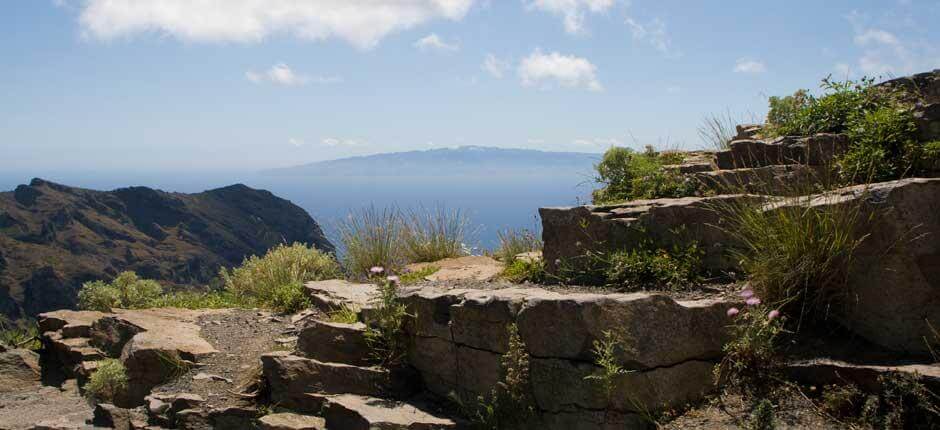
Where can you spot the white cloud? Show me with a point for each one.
(330, 141)
(495, 66)
(296, 142)
(655, 34)
(748, 65)
(569, 71)
(884, 53)
(282, 74)
(361, 23)
(612, 141)
(433, 42)
(573, 12)
(875, 36)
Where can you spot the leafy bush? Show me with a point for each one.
(796, 256)
(903, 403)
(525, 270)
(762, 417)
(656, 268)
(751, 356)
(127, 291)
(884, 145)
(515, 242)
(803, 114)
(200, 300)
(108, 382)
(629, 175)
(384, 332)
(370, 238)
(434, 234)
(276, 280)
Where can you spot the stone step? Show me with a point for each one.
(353, 412)
(824, 371)
(334, 342)
(816, 150)
(333, 294)
(291, 421)
(291, 377)
(777, 180)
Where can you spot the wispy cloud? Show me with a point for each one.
(654, 33)
(541, 69)
(572, 12)
(495, 66)
(362, 24)
(433, 42)
(610, 141)
(332, 141)
(885, 53)
(282, 74)
(749, 65)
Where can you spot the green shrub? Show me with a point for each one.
(344, 315)
(525, 270)
(796, 256)
(384, 334)
(201, 300)
(655, 268)
(902, 403)
(434, 234)
(20, 335)
(127, 291)
(276, 280)
(515, 242)
(371, 238)
(751, 357)
(762, 417)
(629, 175)
(108, 382)
(884, 145)
(802, 114)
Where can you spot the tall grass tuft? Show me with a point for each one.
(370, 238)
(515, 242)
(108, 382)
(20, 335)
(276, 280)
(797, 252)
(717, 130)
(434, 234)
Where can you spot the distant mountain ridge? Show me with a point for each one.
(54, 237)
(464, 160)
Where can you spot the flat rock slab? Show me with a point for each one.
(336, 293)
(334, 342)
(473, 268)
(352, 412)
(19, 370)
(823, 371)
(289, 421)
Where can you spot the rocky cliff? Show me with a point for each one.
(54, 237)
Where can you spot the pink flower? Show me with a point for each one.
(747, 293)
(375, 270)
(733, 311)
(392, 279)
(753, 301)
(773, 314)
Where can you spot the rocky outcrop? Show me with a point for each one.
(816, 150)
(923, 90)
(19, 370)
(474, 268)
(54, 238)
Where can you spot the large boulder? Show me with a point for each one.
(334, 342)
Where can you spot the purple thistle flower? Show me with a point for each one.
(747, 293)
(375, 270)
(753, 301)
(773, 314)
(733, 311)
(393, 279)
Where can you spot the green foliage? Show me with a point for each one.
(127, 291)
(20, 335)
(717, 131)
(842, 400)
(509, 404)
(655, 268)
(884, 145)
(903, 403)
(370, 238)
(525, 270)
(629, 175)
(803, 114)
(795, 255)
(276, 280)
(384, 332)
(200, 300)
(751, 357)
(762, 417)
(605, 356)
(416, 276)
(434, 234)
(108, 382)
(344, 315)
(515, 242)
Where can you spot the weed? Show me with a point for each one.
(384, 332)
(903, 403)
(127, 291)
(884, 145)
(200, 300)
(655, 268)
(21, 335)
(370, 238)
(797, 253)
(108, 382)
(932, 342)
(509, 404)
(522, 270)
(605, 356)
(434, 234)
(344, 315)
(415, 276)
(276, 280)
(842, 400)
(762, 416)
(717, 131)
(172, 366)
(751, 357)
(515, 242)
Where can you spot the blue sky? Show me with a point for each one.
(252, 84)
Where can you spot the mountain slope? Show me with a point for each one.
(54, 237)
(465, 160)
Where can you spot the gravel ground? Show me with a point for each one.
(793, 411)
(44, 404)
(727, 290)
(241, 336)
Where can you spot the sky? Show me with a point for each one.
(205, 85)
